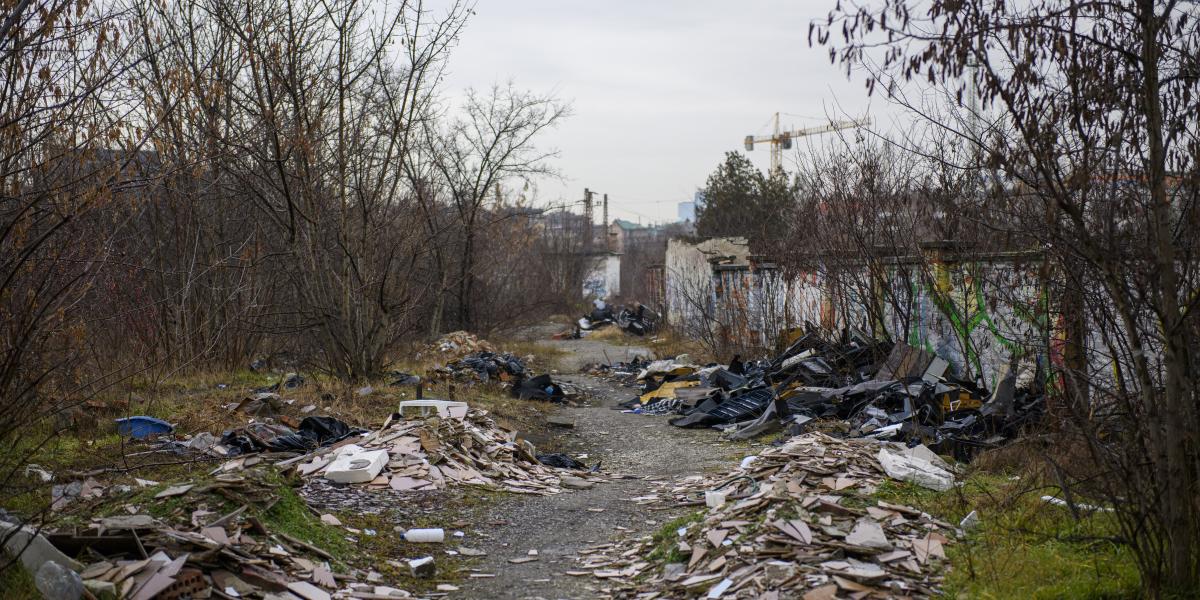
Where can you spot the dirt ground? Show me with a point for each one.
(642, 448)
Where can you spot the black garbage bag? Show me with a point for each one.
(314, 433)
(635, 321)
(239, 443)
(511, 364)
(489, 365)
(292, 442)
(560, 461)
(736, 366)
(326, 430)
(539, 388)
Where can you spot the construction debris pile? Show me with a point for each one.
(795, 521)
(455, 345)
(505, 369)
(198, 552)
(864, 387)
(207, 539)
(482, 366)
(457, 447)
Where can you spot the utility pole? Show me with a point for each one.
(588, 217)
(604, 226)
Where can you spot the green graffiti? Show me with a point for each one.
(965, 322)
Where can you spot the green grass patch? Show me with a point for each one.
(1024, 547)
(207, 380)
(666, 539)
(291, 515)
(17, 584)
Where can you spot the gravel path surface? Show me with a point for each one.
(642, 448)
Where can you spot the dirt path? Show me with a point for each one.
(643, 448)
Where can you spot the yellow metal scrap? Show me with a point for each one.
(959, 399)
(667, 390)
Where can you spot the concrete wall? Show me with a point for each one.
(976, 313)
(688, 276)
(603, 279)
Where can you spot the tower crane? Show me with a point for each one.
(782, 140)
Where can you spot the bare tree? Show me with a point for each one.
(307, 113)
(1093, 127)
(493, 140)
(59, 109)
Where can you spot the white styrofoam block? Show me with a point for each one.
(446, 409)
(356, 467)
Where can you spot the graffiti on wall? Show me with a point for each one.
(978, 315)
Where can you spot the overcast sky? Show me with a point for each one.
(660, 89)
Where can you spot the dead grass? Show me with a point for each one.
(199, 402)
(545, 358)
(613, 334)
(17, 584)
(667, 342)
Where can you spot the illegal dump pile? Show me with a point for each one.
(210, 538)
(625, 373)
(796, 521)
(908, 396)
(478, 362)
(206, 553)
(637, 321)
(453, 448)
(455, 345)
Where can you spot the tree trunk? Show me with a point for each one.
(1177, 470)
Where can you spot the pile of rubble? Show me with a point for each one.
(622, 372)
(213, 545)
(505, 369)
(795, 521)
(459, 447)
(859, 387)
(195, 552)
(482, 366)
(455, 345)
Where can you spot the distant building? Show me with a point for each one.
(625, 235)
(687, 211)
